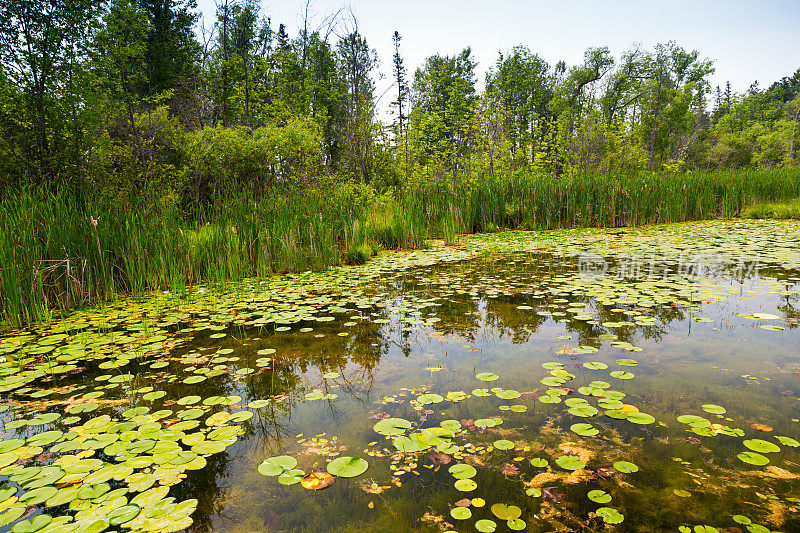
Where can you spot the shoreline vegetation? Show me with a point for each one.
(59, 250)
(137, 154)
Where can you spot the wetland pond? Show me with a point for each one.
(644, 379)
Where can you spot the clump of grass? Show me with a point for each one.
(781, 210)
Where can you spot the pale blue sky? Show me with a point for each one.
(747, 40)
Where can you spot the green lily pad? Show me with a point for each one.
(347, 466)
(570, 462)
(714, 409)
(599, 496)
(276, 464)
(392, 426)
(610, 515)
(503, 444)
(487, 376)
(462, 471)
(753, 458)
(788, 441)
(465, 485)
(625, 467)
(460, 513)
(32, 524)
(291, 477)
(516, 524)
(622, 374)
(486, 526)
(640, 418)
(761, 446)
(123, 515)
(506, 512)
(584, 430)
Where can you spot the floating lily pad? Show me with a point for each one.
(761, 446)
(516, 524)
(503, 444)
(610, 515)
(625, 467)
(291, 477)
(570, 462)
(714, 409)
(622, 374)
(599, 496)
(486, 526)
(460, 513)
(640, 418)
(506, 512)
(392, 426)
(462, 471)
(753, 458)
(465, 485)
(584, 430)
(276, 465)
(487, 376)
(347, 466)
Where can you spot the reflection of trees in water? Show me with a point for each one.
(355, 357)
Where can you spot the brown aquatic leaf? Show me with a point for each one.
(317, 480)
(604, 473)
(439, 459)
(760, 427)
(551, 495)
(463, 503)
(468, 423)
(509, 470)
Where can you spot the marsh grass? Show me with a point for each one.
(59, 251)
(783, 210)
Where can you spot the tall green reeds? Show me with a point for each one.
(58, 250)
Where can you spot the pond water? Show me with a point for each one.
(581, 380)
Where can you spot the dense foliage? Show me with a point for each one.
(121, 97)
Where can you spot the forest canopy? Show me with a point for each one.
(123, 98)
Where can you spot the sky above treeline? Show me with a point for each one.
(747, 40)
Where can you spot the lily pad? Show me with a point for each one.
(506, 512)
(486, 526)
(570, 462)
(761, 446)
(276, 464)
(584, 430)
(347, 466)
(625, 467)
(599, 496)
(392, 426)
(753, 458)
